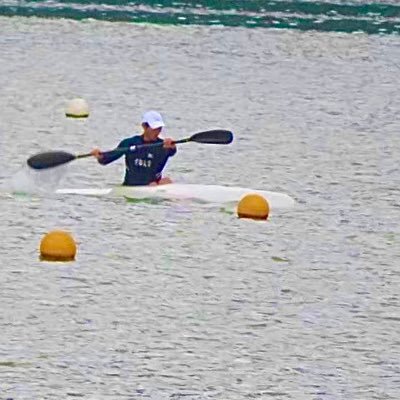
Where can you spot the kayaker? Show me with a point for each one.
(143, 166)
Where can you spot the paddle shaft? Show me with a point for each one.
(83, 155)
(133, 148)
(54, 158)
(52, 163)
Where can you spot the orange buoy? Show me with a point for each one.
(253, 206)
(57, 246)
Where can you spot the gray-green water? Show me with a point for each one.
(181, 300)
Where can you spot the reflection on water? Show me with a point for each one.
(353, 16)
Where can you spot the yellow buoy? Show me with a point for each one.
(77, 108)
(57, 246)
(253, 206)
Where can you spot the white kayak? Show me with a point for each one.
(181, 191)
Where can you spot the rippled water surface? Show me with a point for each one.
(185, 301)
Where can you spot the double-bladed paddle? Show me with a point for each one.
(51, 159)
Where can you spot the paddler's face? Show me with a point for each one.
(151, 134)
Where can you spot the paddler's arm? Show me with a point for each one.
(107, 157)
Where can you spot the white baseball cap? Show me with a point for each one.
(153, 118)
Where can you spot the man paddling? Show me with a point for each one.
(144, 166)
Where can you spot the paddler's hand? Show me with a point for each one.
(169, 144)
(97, 153)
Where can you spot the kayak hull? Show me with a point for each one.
(178, 191)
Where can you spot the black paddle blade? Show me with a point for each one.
(216, 136)
(50, 159)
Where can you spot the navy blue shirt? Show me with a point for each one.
(143, 166)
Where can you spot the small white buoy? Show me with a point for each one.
(77, 108)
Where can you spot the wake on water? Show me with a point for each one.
(30, 181)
